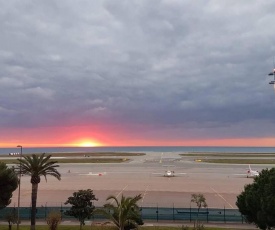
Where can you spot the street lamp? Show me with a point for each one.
(18, 203)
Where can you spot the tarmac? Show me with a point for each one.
(219, 183)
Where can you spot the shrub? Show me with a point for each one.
(53, 220)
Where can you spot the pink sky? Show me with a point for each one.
(75, 136)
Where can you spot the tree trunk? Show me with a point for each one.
(33, 210)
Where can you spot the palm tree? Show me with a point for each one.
(124, 212)
(37, 166)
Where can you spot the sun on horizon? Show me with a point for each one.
(87, 143)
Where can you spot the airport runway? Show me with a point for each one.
(220, 183)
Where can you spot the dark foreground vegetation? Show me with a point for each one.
(100, 227)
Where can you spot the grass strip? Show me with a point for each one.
(86, 154)
(77, 160)
(238, 161)
(228, 155)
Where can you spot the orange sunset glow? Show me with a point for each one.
(73, 138)
(85, 143)
(96, 136)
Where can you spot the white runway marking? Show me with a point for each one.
(144, 194)
(120, 193)
(222, 197)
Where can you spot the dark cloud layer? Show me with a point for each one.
(173, 65)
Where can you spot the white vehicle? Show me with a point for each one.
(251, 173)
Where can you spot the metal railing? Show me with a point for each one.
(147, 213)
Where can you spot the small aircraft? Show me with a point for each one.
(169, 173)
(251, 173)
(93, 174)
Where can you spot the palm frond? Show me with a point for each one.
(113, 198)
(38, 166)
(123, 212)
(107, 214)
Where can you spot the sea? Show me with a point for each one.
(139, 149)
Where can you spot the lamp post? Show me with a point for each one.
(18, 203)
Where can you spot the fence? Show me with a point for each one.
(148, 213)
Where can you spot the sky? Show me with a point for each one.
(137, 73)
